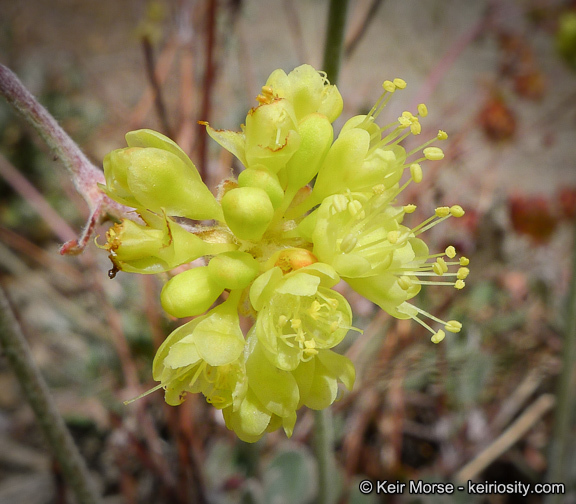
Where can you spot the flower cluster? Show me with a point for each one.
(275, 246)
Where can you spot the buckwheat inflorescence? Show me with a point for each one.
(275, 246)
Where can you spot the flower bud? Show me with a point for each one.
(259, 176)
(247, 211)
(161, 181)
(233, 270)
(190, 293)
(151, 138)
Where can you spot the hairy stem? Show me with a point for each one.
(84, 174)
(36, 391)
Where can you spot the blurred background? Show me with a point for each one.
(499, 76)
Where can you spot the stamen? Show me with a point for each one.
(450, 252)
(464, 261)
(459, 284)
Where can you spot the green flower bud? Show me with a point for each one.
(116, 165)
(151, 138)
(190, 293)
(161, 181)
(247, 211)
(233, 270)
(259, 176)
(316, 135)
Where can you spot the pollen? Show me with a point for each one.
(433, 153)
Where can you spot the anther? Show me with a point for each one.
(416, 128)
(456, 211)
(282, 319)
(340, 202)
(438, 337)
(389, 86)
(416, 172)
(422, 110)
(462, 273)
(442, 135)
(450, 252)
(459, 284)
(409, 208)
(453, 326)
(433, 153)
(442, 264)
(443, 211)
(464, 261)
(399, 83)
(296, 324)
(437, 269)
(378, 189)
(393, 236)
(404, 282)
(348, 243)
